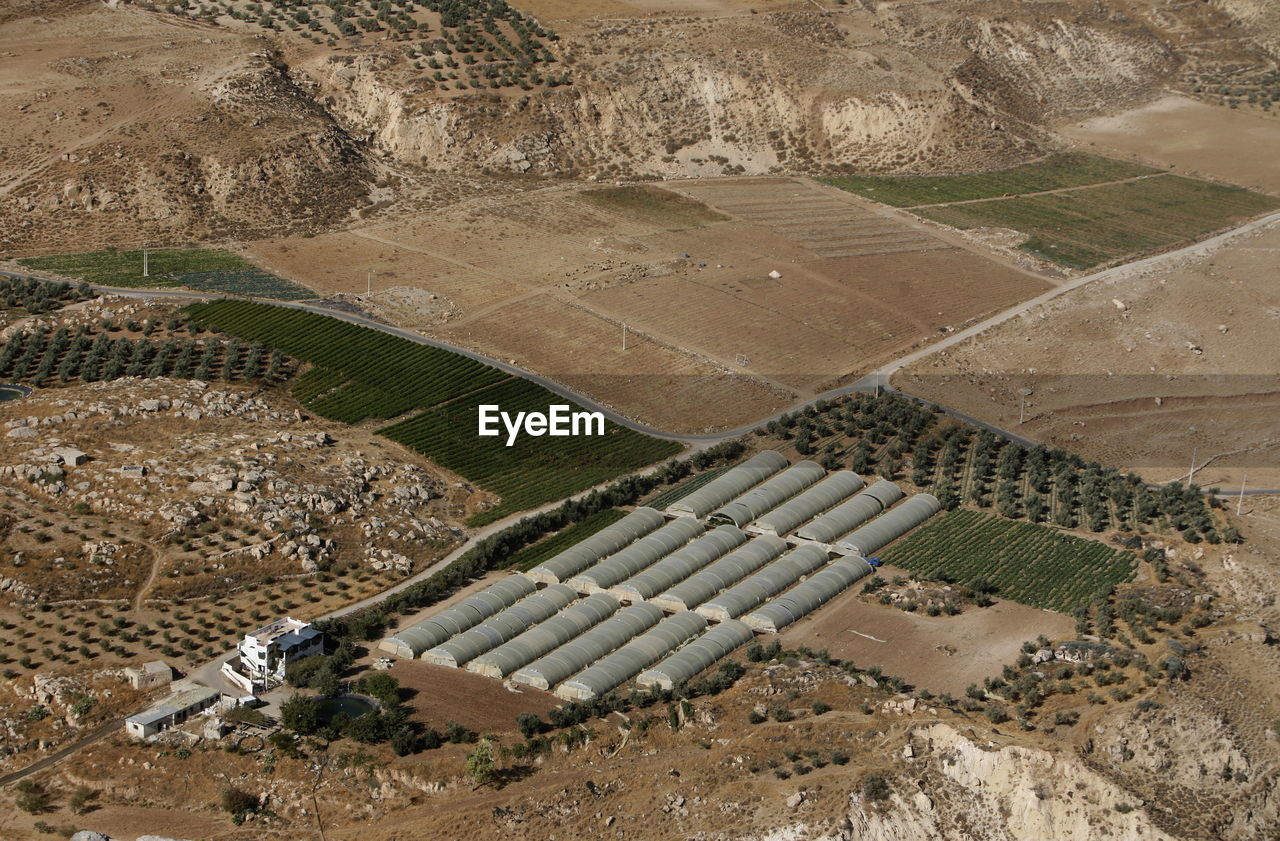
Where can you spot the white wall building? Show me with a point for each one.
(266, 652)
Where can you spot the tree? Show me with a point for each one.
(79, 799)
(238, 802)
(874, 787)
(300, 715)
(480, 764)
(32, 798)
(404, 741)
(382, 686)
(530, 725)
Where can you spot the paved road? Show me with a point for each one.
(104, 730)
(875, 381)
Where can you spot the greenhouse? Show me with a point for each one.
(774, 578)
(808, 596)
(582, 651)
(605, 542)
(890, 525)
(803, 508)
(697, 655)
(628, 661)
(710, 580)
(645, 551)
(735, 482)
(679, 565)
(847, 516)
(545, 637)
(414, 640)
(769, 495)
(497, 629)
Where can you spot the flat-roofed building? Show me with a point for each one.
(172, 711)
(267, 651)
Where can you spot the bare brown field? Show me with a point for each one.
(547, 279)
(941, 653)
(1194, 138)
(441, 695)
(1144, 372)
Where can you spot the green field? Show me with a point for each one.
(654, 206)
(1067, 169)
(1026, 562)
(530, 556)
(363, 373)
(202, 269)
(534, 470)
(1083, 228)
(662, 499)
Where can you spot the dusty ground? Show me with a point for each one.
(482, 704)
(858, 285)
(940, 653)
(1182, 370)
(1194, 138)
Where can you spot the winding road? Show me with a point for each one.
(874, 381)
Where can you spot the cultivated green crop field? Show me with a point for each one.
(533, 470)
(1026, 562)
(1067, 169)
(362, 373)
(662, 499)
(530, 556)
(1093, 225)
(202, 269)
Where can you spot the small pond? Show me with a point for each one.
(13, 392)
(351, 706)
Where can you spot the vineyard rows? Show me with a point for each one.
(363, 373)
(42, 358)
(1030, 563)
(529, 557)
(533, 470)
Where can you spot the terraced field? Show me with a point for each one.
(1026, 562)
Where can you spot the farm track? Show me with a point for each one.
(876, 380)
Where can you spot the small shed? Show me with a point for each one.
(70, 456)
(149, 675)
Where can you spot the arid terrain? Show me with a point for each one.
(647, 203)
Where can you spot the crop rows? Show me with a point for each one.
(533, 470)
(397, 374)
(1083, 228)
(38, 296)
(250, 282)
(42, 358)
(529, 557)
(1071, 169)
(363, 373)
(664, 498)
(1029, 563)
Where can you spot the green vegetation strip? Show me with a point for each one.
(364, 373)
(529, 557)
(1086, 227)
(654, 206)
(664, 498)
(1068, 169)
(1026, 562)
(203, 269)
(533, 470)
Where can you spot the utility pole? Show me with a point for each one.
(146, 266)
(1022, 409)
(1240, 501)
(369, 284)
(1191, 474)
(624, 335)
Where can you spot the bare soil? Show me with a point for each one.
(1175, 371)
(1194, 138)
(940, 653)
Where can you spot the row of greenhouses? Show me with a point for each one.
(657, 597)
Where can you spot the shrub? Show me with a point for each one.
(238, 802)
(875, 788)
